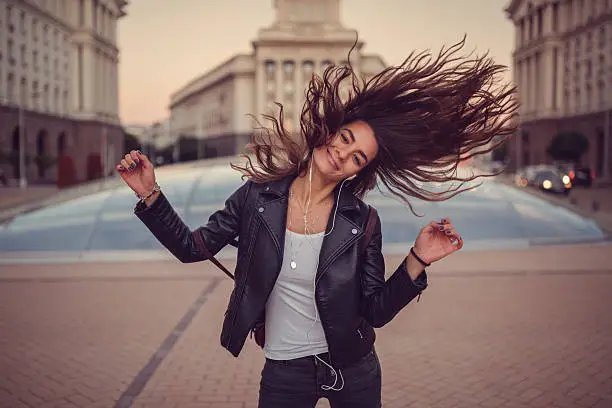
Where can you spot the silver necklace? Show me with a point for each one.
(293, 263)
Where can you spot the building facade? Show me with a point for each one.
(305, 38)
(59, 85)
(563, 71)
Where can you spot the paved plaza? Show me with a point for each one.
(529, 328)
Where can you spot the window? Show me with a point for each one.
(56, 100)
(35, 94)
(22, 52)
(10, 85)
(555, 22)
(589, 69)
(35, 60)
(540, 14)
(65, 102)
(9, 18)
(45, 95)
(81, 13)
(35, 29)
(11, 52)
(270, 66)
(23, 91)
(22, 22)
(288, 67)
(46, 34)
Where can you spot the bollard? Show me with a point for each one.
(595, 205)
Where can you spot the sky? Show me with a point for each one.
(166, 43)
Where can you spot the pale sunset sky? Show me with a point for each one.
(166, 43)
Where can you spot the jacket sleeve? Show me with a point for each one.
(193, 246)
(382, 300)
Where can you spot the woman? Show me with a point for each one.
(300, 219)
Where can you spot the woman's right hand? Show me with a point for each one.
(137, 172)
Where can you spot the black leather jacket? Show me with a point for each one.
(351, 293)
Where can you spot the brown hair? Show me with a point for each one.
(428, 114)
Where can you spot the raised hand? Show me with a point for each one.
(437, 240)
(137, 172)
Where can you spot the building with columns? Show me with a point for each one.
(59, 84)
(305, 37)
(563, 71)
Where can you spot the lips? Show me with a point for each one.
(332, 161)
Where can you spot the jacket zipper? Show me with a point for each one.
(239, 295)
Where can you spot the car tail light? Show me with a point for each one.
(572, 174)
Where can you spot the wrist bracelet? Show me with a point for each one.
(422, 262)
(156, 188)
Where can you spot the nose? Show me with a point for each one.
(343, 154)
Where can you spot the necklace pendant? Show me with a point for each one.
(293, 264)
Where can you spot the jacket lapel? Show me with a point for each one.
(342, 229)
(272, 208)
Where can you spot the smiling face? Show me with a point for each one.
(351, 149)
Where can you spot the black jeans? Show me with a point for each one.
(298, 383)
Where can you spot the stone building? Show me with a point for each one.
(59, 84)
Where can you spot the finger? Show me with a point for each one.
(432, 226)
(124, 165)
(134, 156)
(144, 159)
(456, 239)
(445, 221)
(120, 167)
(131, 164)
(446, 227)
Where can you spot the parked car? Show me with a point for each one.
(579, 175)
(544, 177)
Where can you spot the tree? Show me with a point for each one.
(568, 146)
(500, 153)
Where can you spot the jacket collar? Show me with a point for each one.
(343, 228)
(347, 201)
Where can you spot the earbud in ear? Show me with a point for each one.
(351, 178)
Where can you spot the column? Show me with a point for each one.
(298, 76)
(260, 89)
(109, 84)
(74, 103)
(547, 17)
(525, 85)
(89, 13)
(115, 88)
(533, 83)
(518, 42)
(561, 101)
(546, 81)
(103, 82)
(516, 73)
(279, 79)
(89, 82)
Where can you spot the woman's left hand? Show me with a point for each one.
(437, 240)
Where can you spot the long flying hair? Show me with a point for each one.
(428, 114)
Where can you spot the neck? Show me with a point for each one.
(322, 189)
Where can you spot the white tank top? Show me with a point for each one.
(293, 327)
